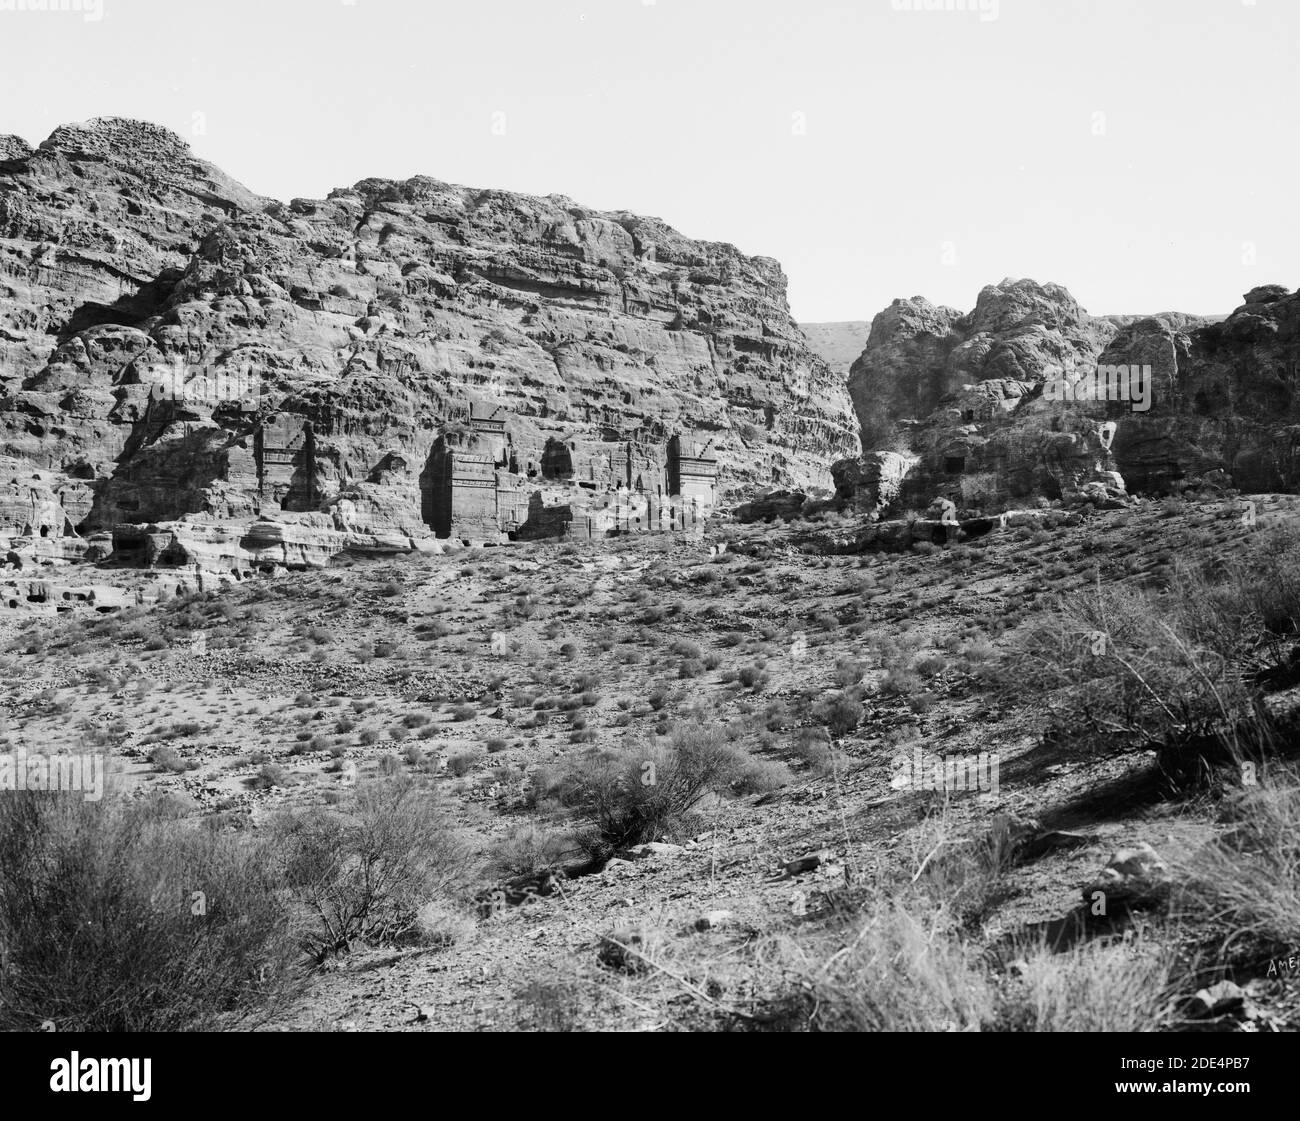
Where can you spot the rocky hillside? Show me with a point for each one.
(959, 404)
(322, 347)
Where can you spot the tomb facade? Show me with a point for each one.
(482, 483)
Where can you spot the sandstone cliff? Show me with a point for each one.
(172, 344)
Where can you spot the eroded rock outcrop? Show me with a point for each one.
(172, 344)
(952, 404)
(989, 408)
(1225, 405)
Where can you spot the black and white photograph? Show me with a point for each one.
(631, 516)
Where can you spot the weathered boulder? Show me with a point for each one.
(1132, 877)
(873, 484)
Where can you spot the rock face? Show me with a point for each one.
(1226, 406)
(173, 346)
(1028, 396)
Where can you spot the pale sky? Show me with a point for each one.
(1141, 152)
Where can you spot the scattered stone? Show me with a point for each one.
(654, 848)
(616, 864)
(620, 950)
(1225, 998)
(1132, 877)
(792, 868)
(713, 920)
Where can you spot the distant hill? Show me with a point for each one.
(839, 344)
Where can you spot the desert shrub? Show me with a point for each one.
(929, 665)
(1181, 672)
(462, 762)
(976, 653)
(368, 736)
(183, 730)
(642, 792)
(1095, 987)
(529, 848)
(548, 1006)
(115, 917)
(758, 776)
(777, 717)
(270, 775)
(899, 683)
(389, 765)
(848, 671)
(813, 746)
(1249, 878)
(900, 971)
(365, 869)
(167, 759)
(839, 712)
(495, 744)
(463, 712)
(441, 924)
